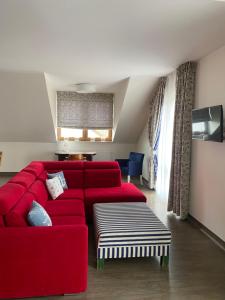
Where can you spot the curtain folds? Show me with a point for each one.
(166, 139)
(92, 110)
(154, 123)
(181, 154)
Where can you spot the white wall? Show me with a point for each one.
(105, 151)
(17, 155)
(25, 114)
(208, 158)
(119, 95)
(52, 96)
(143, 147)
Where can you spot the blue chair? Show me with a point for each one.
(132, 166)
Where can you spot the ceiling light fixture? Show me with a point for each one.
(83, 88)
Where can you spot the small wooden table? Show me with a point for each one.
(64, 155)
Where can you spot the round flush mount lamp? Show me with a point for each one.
(83, 88)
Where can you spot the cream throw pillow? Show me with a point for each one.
(54, 187)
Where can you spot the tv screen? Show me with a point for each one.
(207, 123)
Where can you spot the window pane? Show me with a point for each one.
(98, 133)
(71, 132)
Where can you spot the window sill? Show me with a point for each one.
(84, 140)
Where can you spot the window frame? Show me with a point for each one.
(85, 137)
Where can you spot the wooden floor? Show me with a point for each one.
(196, 268)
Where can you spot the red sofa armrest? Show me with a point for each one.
(41, 261)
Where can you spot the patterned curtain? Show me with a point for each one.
(154, 123)
(181, 153)
(92, 110)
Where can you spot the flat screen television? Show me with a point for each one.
(207, 124)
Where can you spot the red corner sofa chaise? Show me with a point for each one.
(42, 261)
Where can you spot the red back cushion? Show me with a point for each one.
(35, 168)
(38, 189)
(43, 176)
(10, 193)
(17, 216)
(74, 178)
(102, 178)
(63, 165)
(23, 178)
(101, 165)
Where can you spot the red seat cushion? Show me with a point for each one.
(18, 214)
(67, 220)
(38, 189)
(65, 208)
(10, 193)
(127, 192)
(23, 178)
(72, 194)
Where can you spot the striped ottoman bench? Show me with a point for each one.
(129, 229)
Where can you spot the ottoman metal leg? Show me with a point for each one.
(100, 263)
(164, 261)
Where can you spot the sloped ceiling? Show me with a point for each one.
(135, 109)
(25, 114)
(52, 99)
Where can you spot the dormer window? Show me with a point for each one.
(84, 117)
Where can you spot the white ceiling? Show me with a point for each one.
(103, 41)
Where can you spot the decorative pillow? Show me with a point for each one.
(38, 216)
(54, 187)
(61, 178)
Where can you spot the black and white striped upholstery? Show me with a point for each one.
(129, 229)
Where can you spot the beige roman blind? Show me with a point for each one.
(92, 110)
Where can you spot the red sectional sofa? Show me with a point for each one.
(42, 261)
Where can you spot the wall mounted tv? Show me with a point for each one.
(207, 124)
